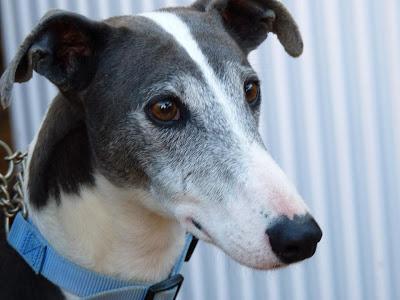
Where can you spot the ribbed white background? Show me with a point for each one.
(331, 119)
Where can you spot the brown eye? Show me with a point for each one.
(165, 110)
(252, 91)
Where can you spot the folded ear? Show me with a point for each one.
(250, 21)
(63, 47)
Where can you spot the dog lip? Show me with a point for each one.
(196, 226)
(199, 227)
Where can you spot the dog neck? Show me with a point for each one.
(108, 230)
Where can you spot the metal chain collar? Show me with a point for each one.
(11, 185)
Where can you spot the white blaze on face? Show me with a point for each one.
(238, 224)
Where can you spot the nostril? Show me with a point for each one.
(289, 254)
(294, 240)
(291, 250)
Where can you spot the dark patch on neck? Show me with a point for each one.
(61, 161)
(18, 280)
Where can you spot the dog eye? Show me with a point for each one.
(165, 110)
(252, 92)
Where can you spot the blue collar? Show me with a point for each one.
(26, 239)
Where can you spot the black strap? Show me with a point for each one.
(175, 282)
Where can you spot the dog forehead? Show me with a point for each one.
(164, 47)
(188, 29)
(202, 36)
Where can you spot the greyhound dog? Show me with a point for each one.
(154, 134)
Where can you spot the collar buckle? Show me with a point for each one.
(171, 286)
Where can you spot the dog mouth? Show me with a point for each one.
(198, 229)
(197, 225)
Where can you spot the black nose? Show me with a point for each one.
(294, 240)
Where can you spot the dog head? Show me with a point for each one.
(170, 104)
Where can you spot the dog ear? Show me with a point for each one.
(62, 47)
(250, 21)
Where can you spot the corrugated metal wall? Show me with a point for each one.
(331, 119)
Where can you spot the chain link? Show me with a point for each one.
(11, 185)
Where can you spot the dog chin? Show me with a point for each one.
(260, 265)
(270, 266)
